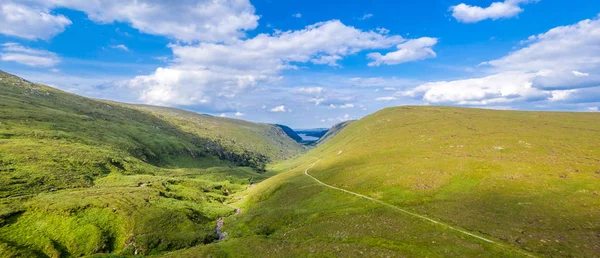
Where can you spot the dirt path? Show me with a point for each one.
(416, 215)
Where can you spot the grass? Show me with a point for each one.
(83, 177)
(528, 180)
(272, 142)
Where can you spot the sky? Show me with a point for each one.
(310, 64)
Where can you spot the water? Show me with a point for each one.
(308, 138)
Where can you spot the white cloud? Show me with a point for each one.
(497, 10)
(580, 74)
(412, 50)
(572, 48)
(308, 90)
(205, 74)
(317, 101)
(494, 89)
(593, 109)
(366, 16)
(560, 95)
(189, 21)
(30, 22)
(28, 56)
(386, 98)
(278, 109)
(297, 15)
(271, 53)
(547, 69)
(389, 89)
(348, 105)
(222, 115)
(202, 88)
(239, 114)
(343, 118)
(120, 47)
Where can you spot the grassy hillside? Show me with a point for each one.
(527, 180)
(265, 141)
(290, 132)
(335, 129)
(81, 176)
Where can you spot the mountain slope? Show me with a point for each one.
(290, 132)
(270, 141)
(335, 129)
(526, 180)
(80, 176)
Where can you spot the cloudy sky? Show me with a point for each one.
(310, 63)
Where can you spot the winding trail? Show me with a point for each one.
(416, 215)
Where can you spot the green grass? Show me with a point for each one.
(528, 180)
(239, 136)
(81, 177)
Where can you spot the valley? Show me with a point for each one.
(83, 177)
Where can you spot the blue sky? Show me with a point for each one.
(310, 63)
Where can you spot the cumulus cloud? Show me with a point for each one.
(239, 114)
(28, 56)
(278, 109)
(497, 10)
(547, 68)
(202, 88)
(494, 89)
(270, 53)
(30, 22)
(297, 15)
(214, 73)
(189, 21)
(412, 50)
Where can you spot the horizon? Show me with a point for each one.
(311, 64)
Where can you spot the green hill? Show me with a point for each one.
(271, 142)
(335, 129)
(526, 181)
(290, 132)
(81, 176)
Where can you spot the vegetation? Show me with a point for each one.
(81, 177)
(270, 142)
(527, 180)
(290, 132)
(335, 129)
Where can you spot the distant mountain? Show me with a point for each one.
(317, 133)
(290, 132)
